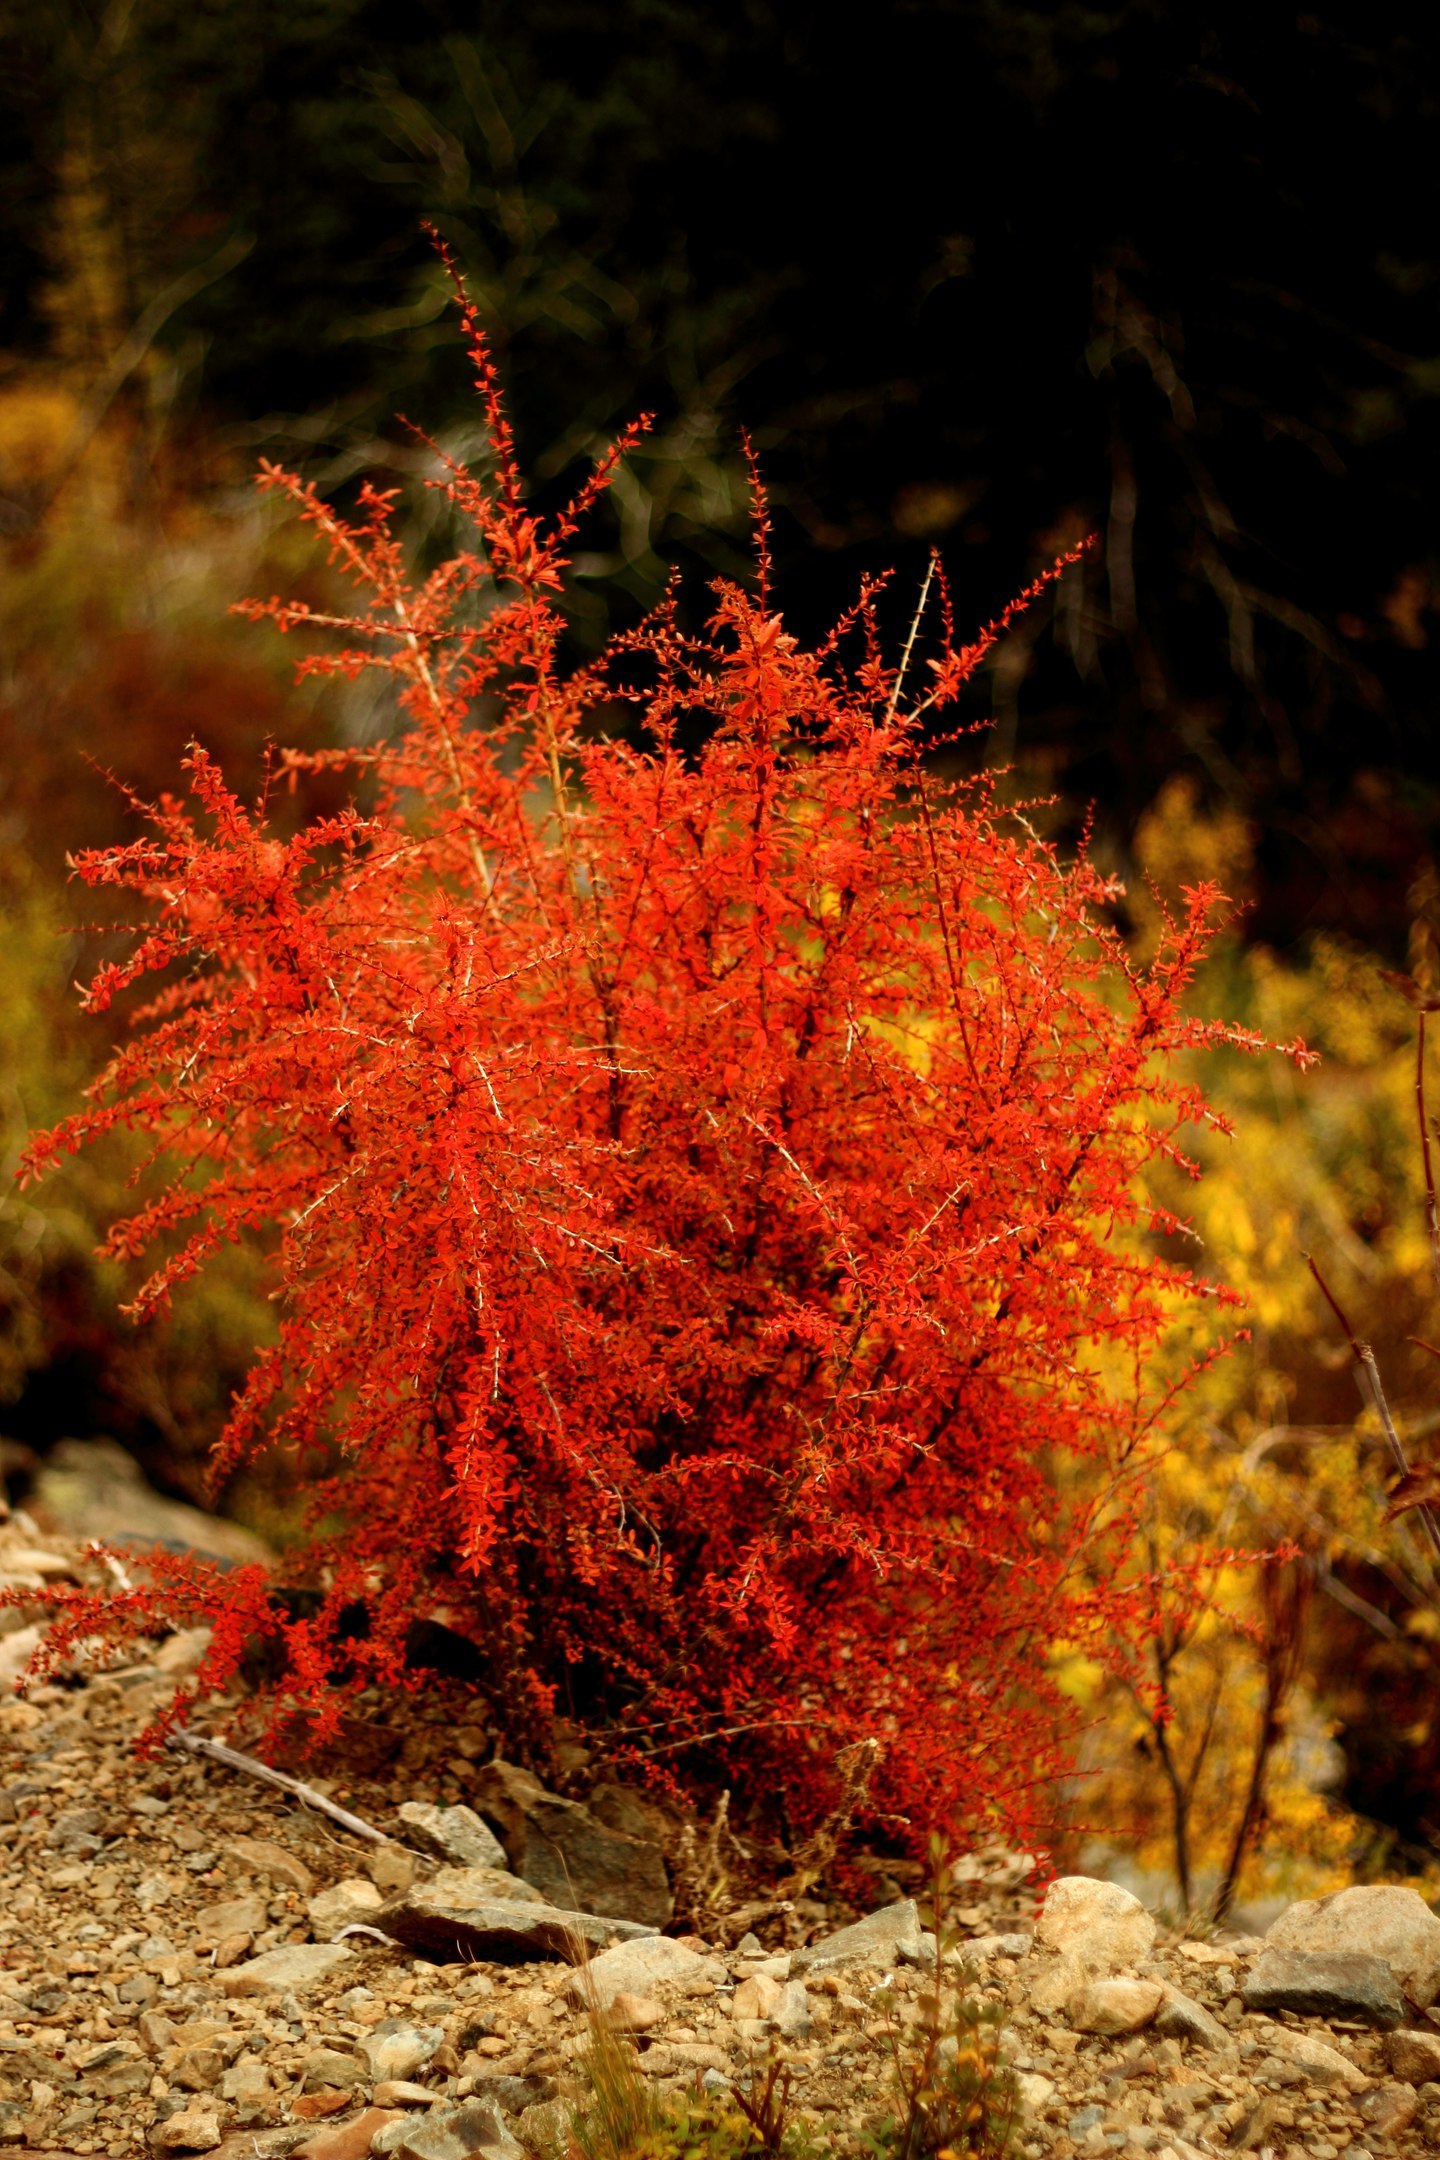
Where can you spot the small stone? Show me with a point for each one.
(395, 2049)
(1321, 2063)
(326, 2069)
(1033, 2090)
(262, 1857)
(1115, 2006)
(1180, 2017)
(391, 1869)
(471, 2131)
(634, 2013)
(30, 1560)
(346, 2141)
(198, 2070)
(296, 1965)
(755, 1997)
(236, 1916)
(1253, 2129)
(354, 1899)
(192, 2129)
(637, 1967)
(246, 2085)
(402, 2093)
(878, 1939)
(1389, 2110)
(230, 1949)
(1331, 1986)
(791, 2014)
(313, 2107)
(1414, 2056)
(454, 1834)
(1099, 1923)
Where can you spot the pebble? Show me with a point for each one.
(128, 2024)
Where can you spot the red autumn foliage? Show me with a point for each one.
(696, 1180)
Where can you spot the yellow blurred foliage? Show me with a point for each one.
(1215, 1770)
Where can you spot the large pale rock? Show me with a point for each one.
(16, 1651)
(879, 1939)
(473, 1885)
(1333, 1986)
(569, 1854)
(1115, 2006)
(93, 1489)
(442, 1924)
(279, 1972)
(1056, 1984)
(1381, 1920)
(455, 1834)
(350, 1903)
(1098, 1923)
(637, 1968)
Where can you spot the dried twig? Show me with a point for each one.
(702, 1880)
(857, 1765)
(216, 1750)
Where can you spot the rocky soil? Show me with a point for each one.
(194, 1962)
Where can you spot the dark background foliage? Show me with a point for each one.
(975, 275)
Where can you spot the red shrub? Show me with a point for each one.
(693, 1182)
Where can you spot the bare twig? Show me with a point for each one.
(910, 640)
(857, 1765)
(232, 1758)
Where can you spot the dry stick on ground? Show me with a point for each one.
(197, 1744)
